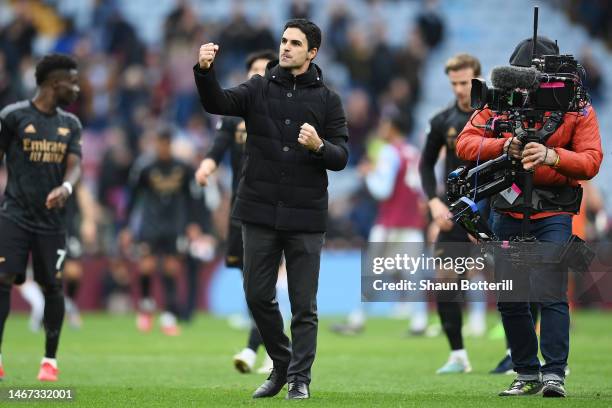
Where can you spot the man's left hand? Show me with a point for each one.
(308, 137)
(57, 197)
(535, 154)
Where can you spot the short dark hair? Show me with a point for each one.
(462, 61)
(262, 54)
(400, 122)
(164, 132)
(310, 29)
(53, 62)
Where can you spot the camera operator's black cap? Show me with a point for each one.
(521, 57)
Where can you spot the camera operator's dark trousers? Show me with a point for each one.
(263, 249)
(554, 318)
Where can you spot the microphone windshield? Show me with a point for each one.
(515, 77)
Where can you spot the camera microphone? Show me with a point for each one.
(515, 77)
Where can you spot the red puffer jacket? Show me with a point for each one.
(577, 142)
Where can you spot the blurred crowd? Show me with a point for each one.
(129, 86)
(595, 15)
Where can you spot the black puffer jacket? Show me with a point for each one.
(283, 185)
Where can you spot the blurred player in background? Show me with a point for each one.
(445, 126)
(113, 195)
(161, 212)
(231, 135)
(394, 181)
(81, 215)
(201, 246)
(42, 144)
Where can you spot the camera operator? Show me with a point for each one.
(573, 152)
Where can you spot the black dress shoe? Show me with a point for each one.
(298, 390)
(273, 385)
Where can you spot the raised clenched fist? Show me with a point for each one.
(309, 138)
(207, 55)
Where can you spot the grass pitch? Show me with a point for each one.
(109, 364)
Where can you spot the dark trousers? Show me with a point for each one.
(263, 249)
(554, 315)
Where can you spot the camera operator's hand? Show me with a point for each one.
(472, 239)
(207, 55)
(440, 214)
(535, 154)
(309, 138)
(513, 147)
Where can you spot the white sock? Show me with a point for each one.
(33, 295)
(459, 355)
(508, 352)
(167, 319)
(357, 317)
(51, 361)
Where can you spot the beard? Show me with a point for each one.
(292, 63)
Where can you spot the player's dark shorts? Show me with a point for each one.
(235, 250)
(48, 254)
(160, 246)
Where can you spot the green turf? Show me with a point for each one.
(108, 363)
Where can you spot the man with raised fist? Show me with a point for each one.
(297, 131)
